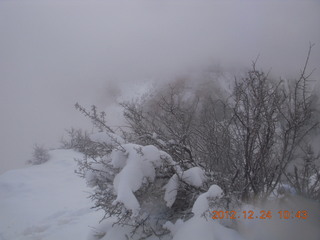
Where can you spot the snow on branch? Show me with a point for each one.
(137, 165)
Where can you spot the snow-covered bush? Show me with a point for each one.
(244, 138)
(139, 185)
(305, 177)
(40, 155)
(187, 144)
(142, 186)
(91, 145)
(76, 139)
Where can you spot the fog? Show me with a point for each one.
(56, 53)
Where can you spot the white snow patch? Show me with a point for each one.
(171, 190)
(204, 229)
(138, 165)
(201, 205)
(194, 176)
(173, 228)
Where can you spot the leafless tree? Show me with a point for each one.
(270, 121)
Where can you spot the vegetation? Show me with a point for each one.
(40, 155)
(250, 143)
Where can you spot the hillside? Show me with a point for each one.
(47, 201)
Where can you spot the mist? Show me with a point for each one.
(56, 53)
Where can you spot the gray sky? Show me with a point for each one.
(55, 53)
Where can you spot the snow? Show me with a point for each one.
(118, 158)
(215, 191)
(106, 230)
(47, 201)
(194, 176)
(126, 182)
(138, 165)
(201, 228)
(152, 154)
(173, 228)
(201, 205)
(171, 190)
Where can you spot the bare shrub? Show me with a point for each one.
(40, 155)
(245, 143)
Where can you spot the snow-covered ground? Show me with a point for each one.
(47, 201)
(50, 201)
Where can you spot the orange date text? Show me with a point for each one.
(263, 214)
